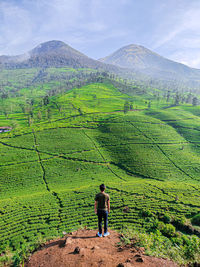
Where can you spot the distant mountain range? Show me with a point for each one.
(132, 61)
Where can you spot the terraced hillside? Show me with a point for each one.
(51, 169)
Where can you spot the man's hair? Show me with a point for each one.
(102, 187)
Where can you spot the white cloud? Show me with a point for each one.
(179, 36)
(25, 23)
(188, 57)
(58, 15)
(15, 26)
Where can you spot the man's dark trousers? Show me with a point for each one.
(102, 214)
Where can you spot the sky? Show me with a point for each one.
(97, 28)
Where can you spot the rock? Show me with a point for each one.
(76, 250)
(137, 255)
(65, 242)
(128, 260)
(95, 247)
(142, 249)
(62, 243)
(101, 262)
(69, 240)
(140, 259)
(82, 252)
(133, 250)
(120, 265)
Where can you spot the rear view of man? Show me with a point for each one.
(102, 208)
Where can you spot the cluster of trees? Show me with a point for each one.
(38, 116)
(175, 98)
(183, 98)
(162, 84)
(128, 106)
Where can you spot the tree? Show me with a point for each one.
(189, 98)
(80, 111)
(74, 94)
(177, 99)
(46, 100)
(182, 99)
(30, 102)
(168, 96)
(158, 97)
(31, 113)
(126, 106)
(39, 115)
(30, 120)
(4, 95)
(5, 112)
(48, 114)
(195, 101)
(60, 108)
(22, 107)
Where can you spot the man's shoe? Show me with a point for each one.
(106, 234)
(99, 235)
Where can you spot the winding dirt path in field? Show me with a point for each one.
(83, 249)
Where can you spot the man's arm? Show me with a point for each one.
(109, 206)
(95, 206)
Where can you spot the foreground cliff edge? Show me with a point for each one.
(83, 248)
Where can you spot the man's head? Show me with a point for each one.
(102, 187)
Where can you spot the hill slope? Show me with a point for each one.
(60, 150)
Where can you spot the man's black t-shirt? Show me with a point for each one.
(102, 200)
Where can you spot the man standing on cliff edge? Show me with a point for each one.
(102, 208)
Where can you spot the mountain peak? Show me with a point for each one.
(133, 46)
(132, 56)
(136, 48)
(48, 47)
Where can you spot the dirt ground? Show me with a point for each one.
(83, 249)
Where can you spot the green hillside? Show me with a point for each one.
(57, 155)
